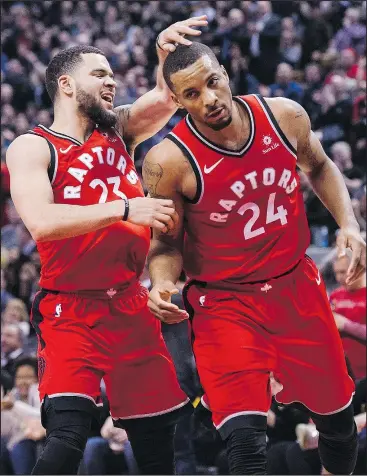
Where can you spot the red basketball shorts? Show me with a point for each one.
(284, 326)
(82, 339)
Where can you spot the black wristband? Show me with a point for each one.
(157, 43)
(126, 212)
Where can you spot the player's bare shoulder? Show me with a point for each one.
(165, 166)
(291, 117)
(28, 150)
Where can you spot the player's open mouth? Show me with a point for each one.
(108, 97)
(217, 113)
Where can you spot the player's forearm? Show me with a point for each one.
(164, 262)
(58, 221)
(328, 183)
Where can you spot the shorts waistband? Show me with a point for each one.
(225, 285)
(114, 292)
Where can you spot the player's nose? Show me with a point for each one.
(210, 99)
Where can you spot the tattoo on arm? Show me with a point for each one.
(123, 116)
(152, 175)
(299, 113)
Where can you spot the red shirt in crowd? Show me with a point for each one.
(352, 305)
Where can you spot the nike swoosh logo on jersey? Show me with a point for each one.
(65, 151)
(207, 170)
(318, 279)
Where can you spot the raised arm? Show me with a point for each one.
(148, 114)
(162, 175)
(327, 182)
(28, 159)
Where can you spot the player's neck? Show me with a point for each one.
(232, 136)
(72, 124)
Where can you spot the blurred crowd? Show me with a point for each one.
(313, 52)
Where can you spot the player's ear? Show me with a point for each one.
(66, 84)
(176, 101)
(225, 74)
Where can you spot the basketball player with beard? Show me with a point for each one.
(75, 187)
(257, 303)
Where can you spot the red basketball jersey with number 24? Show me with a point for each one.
(98, 171)
(247, 222)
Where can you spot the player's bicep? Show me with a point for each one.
(310, 154)
(27, 159)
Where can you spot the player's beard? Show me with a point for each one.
(89, 107)
(221, 125)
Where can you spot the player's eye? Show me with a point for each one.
(213, 81)
(191, 95)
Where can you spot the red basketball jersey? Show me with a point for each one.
(247, 221)
(98, 171)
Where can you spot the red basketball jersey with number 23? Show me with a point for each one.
(98, 171)
(247, 222)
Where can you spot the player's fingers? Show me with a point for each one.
(163, 218)
(196, 20)
(363, 257)
(157, 225)
(186, 30)
(162, 304)
(354, 262)
(341, 243)
(165, 202)
(174, 316)
(166, 210)
(175, 320)
(177, 38)
(357, 274)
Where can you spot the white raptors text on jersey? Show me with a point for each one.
(87, 161)
(253, 180)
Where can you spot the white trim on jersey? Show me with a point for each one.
(230, 153)
(273, 126)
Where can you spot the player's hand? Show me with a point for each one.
(158, 213)
(169, 38)
(349, 237)
(160, 304)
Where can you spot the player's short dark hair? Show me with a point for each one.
(64, 63)
(183, 57)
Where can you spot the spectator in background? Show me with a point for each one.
(21, 418)
(334, 122)
(5, 295)
(242, 82)
(352, 34)
(312, 90)
(264, 32)
(9, 232)
(16, 313)
(290, 45)
(349, 301)
(285, 86)
(359, 207)
(341, 154)
(317, 31)
(109, 453)
(12, 343)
